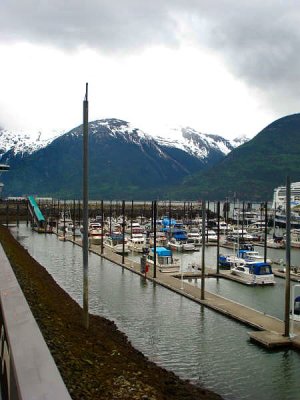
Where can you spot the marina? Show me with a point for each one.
(62, 261)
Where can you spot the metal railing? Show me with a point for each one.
(27, 369)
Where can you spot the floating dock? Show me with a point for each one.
(270, 330)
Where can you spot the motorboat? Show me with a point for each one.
(296, 309)
(65, 223)
(180, 245)
(275, 243)
(95, 233)
(115, 244)
(194, 237)
(161, 239)
(165, 262)
(258, 273)
(251, 256)
(179, 241)
(211, 236)
(137, 243)
(230, 260)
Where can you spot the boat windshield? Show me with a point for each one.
(264, 270)
(297, 306)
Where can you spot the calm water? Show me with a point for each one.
(178, 334)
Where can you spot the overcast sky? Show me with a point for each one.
(228, 67)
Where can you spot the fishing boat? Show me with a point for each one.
(165, 262)
(257, 273)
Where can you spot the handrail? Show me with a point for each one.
(27, 369)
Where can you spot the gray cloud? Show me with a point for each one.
(104, 24)
(259, 40)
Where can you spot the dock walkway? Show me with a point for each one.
(270, 329)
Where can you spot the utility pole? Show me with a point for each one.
(203, 251)
(85, 241)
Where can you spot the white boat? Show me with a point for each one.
(255, 273)
(296, 309)
(95, 233)
(211, 236)
(295, 238)
(180, 245)
(115, 244)
(65, 223)
(194, 237)
(137, 243)
(228, 261)
(165, 262)
(252, 256)
(275, 243)
(161, 239)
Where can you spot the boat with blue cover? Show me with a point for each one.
(179, 241)
(257, 273)
(251, 256)
(227, 261)
(165, 262)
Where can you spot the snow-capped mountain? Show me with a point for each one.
(184, 138)
(124, 161)
(195, 143)
(22, 142)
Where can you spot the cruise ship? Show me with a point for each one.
(3, 167)
(279, 204)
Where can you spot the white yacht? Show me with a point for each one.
(115, 244)
(137, 243)
(254, 274)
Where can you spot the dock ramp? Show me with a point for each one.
(36, 213)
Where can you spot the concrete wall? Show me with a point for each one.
(27, 369)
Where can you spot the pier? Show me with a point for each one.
(270, 329)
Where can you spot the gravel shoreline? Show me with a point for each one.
(99, 363)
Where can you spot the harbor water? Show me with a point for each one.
(176, 333)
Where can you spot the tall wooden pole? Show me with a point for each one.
(85, 242)
(154, 236)
(218, 243)
(131, 218)
(74, 219)
(123, 231)
(288, 259)
(102, 226)
(266, 232)
(203, 251)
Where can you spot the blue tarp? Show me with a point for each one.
(162, 251)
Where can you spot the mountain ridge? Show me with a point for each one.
(125, 162)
